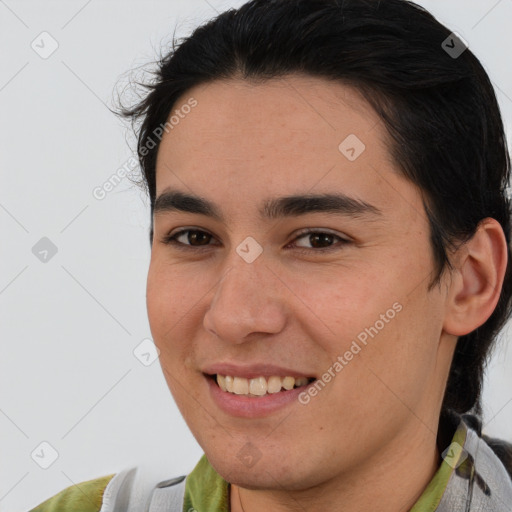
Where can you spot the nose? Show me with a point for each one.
(246, 300)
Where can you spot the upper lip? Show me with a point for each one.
(252, 371)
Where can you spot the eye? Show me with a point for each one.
(191, 235)
(201, 238)
(316, 237)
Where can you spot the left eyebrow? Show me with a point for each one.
(273, 208)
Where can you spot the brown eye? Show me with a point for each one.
(189, 238)
(321, 240)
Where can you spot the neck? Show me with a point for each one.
(412, 462)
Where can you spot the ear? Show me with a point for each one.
(477, 279)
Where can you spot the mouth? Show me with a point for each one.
(260, 386)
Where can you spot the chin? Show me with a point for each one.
(264, 475)
(277, 468)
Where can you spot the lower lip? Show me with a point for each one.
(252, 407)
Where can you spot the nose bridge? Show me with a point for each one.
(244, 301)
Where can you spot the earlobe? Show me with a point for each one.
(477, 280)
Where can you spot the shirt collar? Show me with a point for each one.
(478, 480)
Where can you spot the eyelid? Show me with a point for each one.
(307, 231)
(180, 231)
(170, 239)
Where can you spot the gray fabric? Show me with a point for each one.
(480, 483)
(131, 490)
(168, 496)
(117, 493)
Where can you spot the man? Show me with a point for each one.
(330, 261)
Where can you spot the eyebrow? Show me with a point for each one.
(273, 208)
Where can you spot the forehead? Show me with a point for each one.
(292, 134)
(279, 116)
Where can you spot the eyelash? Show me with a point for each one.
(171, 240)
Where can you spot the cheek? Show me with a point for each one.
(398, 363)
(167, 307)
(345, 306)
(170, 295)
(175, 306)
(379, 328)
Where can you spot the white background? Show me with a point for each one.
(68, 327)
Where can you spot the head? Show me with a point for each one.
(325, 97)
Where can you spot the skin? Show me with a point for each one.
(375, 423)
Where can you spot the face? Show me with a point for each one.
(334, 291)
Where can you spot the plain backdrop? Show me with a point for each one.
(69, 325)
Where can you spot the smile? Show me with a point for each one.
(256, 390)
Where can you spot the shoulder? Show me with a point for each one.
(503, 450)
(500, 448)
(86, 496)
(131, 489)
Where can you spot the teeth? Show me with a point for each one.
(259, 386)
(221, 381)
(288, 382)
(274, 385)
(240, 386)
